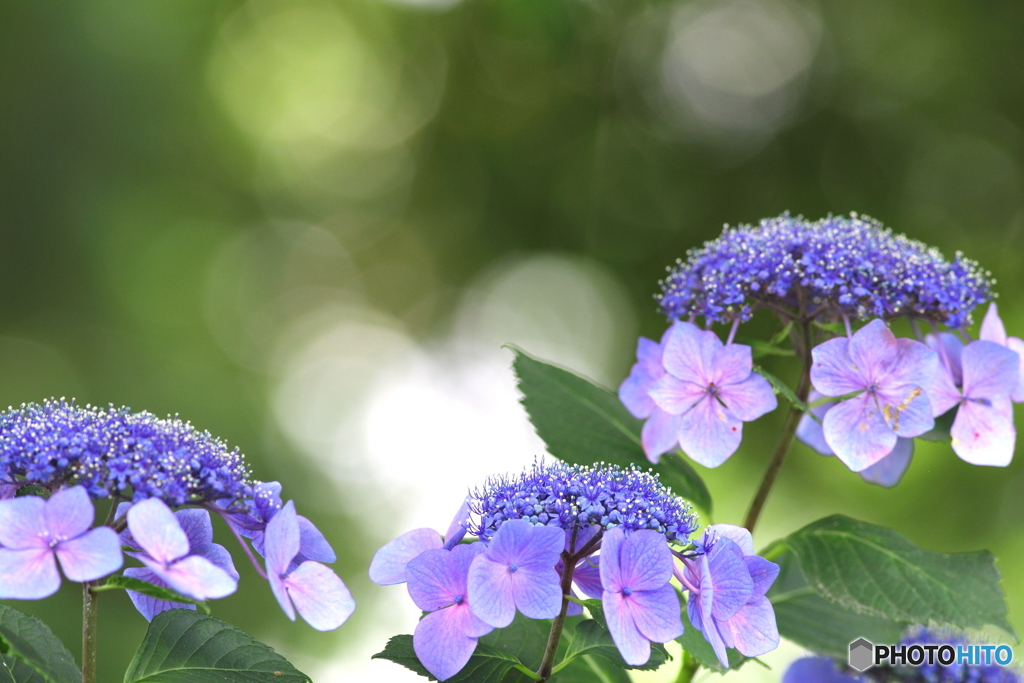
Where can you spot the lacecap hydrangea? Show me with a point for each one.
(164, 478)
(545, 536)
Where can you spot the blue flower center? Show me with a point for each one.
(627, 591)
(513, 568)
(458, 599)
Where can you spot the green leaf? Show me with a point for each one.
(782, 389)
(873, 571)
(592, 638)
(821, 626)
(35, 653)
(158, 592)
(760, 349)
(183, 646)
(584, 423)
(940, 432)
(487, 665)
(693, 641)
(591, 669)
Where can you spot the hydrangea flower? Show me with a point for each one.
(660, 432)
(446, 638)
(828, 268)
(889, 378)
(36, 534)
(640, 604)
(389, 562)
(310, 587)
(713, 390)
(992, 330)
(727, 584)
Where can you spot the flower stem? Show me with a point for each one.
(89, 614)
(688, 669)
(782, 446)
(569, 560)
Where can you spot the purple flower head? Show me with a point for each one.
(517, 571)
(36, 533)
(661, 429)
(727, 585)
(712, 389)
(390, 561)
(640, 604)
(890, 378)
(827, 268)
(568, 496)
(886, 472)
(166, 553)
(818, 670)
(199, 531)
(979, 378)
(311, 588)
(992, 330)
(445, 639)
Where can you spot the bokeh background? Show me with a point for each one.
(308, 226)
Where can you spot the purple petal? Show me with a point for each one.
(1017, 346)
(91, 555)
(148, 606)
(816, 670)
(731, 579)
(312, 544)
(676, 396)
(874, 351)
(833, 373)
(656, 613)
(457, 529)
(647, 370)
(645, 561)
(195, 577)
(731, 364)
(320, 596)
(282, 539)
(490, 591)
(389, 563)
(992, 328)
(810, 431)
(660, 434)
(857, 432)
(984, 435)
(219, 556)
(689, 352)
(536, 591)
(889, 470)
(709, 433)
(196, 524)
(949, 348)
(434, 579)
(762, 572)
(942, 392)
(749, 399)
(68, 513)
(632, 645)
(588, 577)
(990, 370)
(610, 568)
(156, 530)
(277, 586)
(28, 574)
(573, 609)
(21, 523)
(737, 534)
(521, 543)
(906, 410)
(584, 535)
(752, 630)
(441, 643)
(913, 367)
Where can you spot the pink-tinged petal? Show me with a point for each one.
(312, 543)
(990, 370)
(645, 561)
(588, 577)
(441, 644)
(462, 556)
(762, 572)
(753, 630)
(490, 592)
(1017, 346)
(889, 470)
(195, 577)
(21, 523)
(689, 353)
(521, 543)
(942, 392)
(731, 364)
(389, 563)
(660, 434)
(457, 529)
(731, 579)
(949, 349)
(992, 328)
(28, 574)
(280, 591)
(816, 670)
(709, 433)
(874, 351)
(196, 524)
(282, 539)
(656, 613)
(148, 606)
(91, 556)
(156, 530)
(675, 396)
(984, 435)
(906, 410)
(647, 370)
(749, 399)
(737, 534)
(434, 580)
(537, 592)
(632, 645)
(610, 567)
(320, 596)
(833, 373)
(914, 366)
(809, 431)
(68, 513)
(219, 556)
(857, 433)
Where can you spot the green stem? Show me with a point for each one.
(89, 614)
(688, 669)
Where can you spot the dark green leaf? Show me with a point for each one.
(810, 620)
(760, 349)
(693, 641)
(158, 592)
(29, 641)
(592, 638)
(583, 423)
(182, 646)
(591, 669)
(940, 432)
(874, 571)
(14, 670)
(782, 389)
(596, 610)
(487, 665)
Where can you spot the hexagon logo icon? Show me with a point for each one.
(862, 654)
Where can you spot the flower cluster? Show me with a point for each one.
(827, 268)
(56, 458)
(612, 534)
